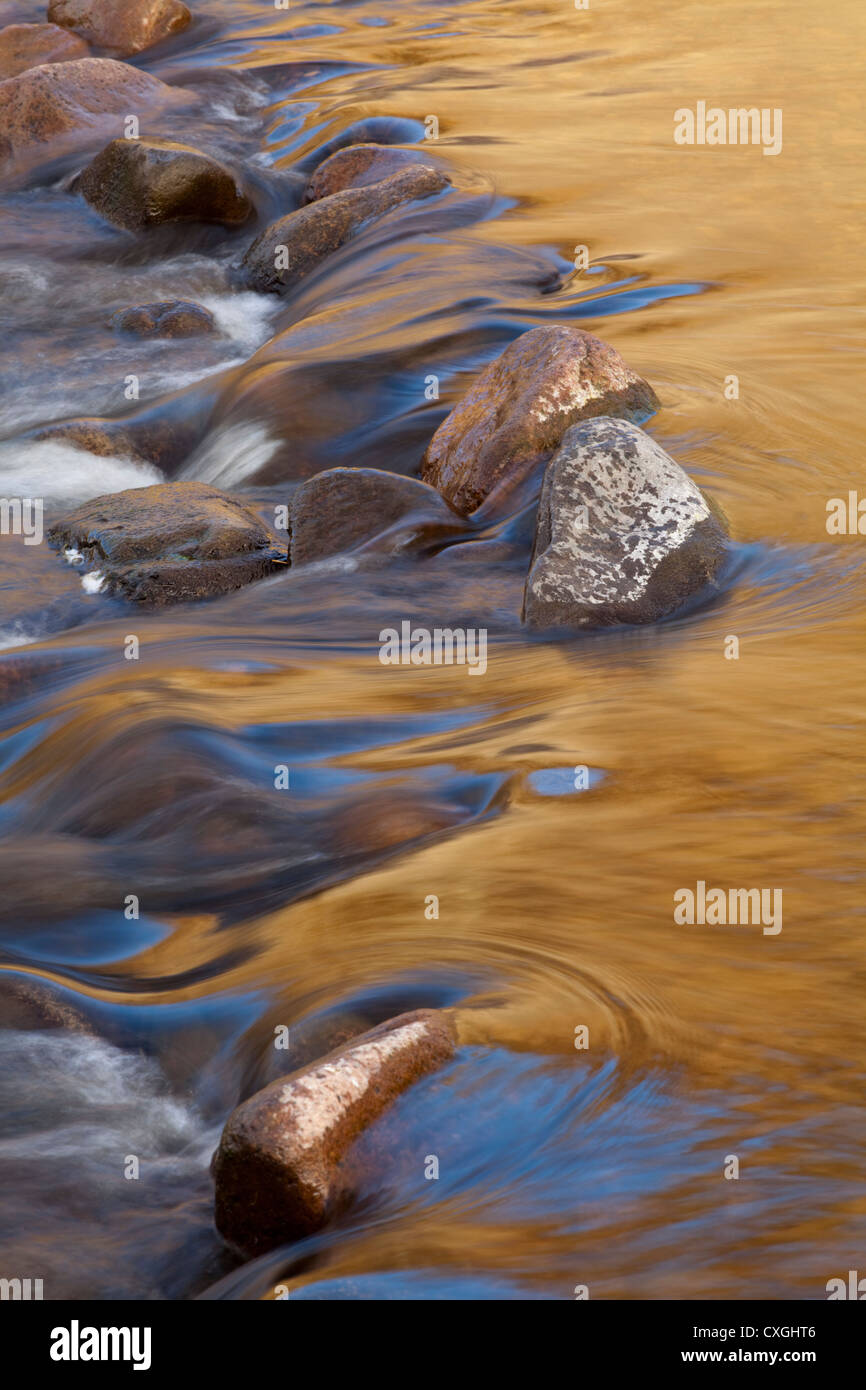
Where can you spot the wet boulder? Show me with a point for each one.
(137, 184)
(281, 1169)
(68, 103)
(24, 46)
(344, 508)
(369, 130)
(174, 318)
(514, 416)
(167, 543)
(292, 247)
(623, 535)
(159, 436)
(356, 166)
(121, 27)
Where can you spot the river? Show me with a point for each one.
(309, 907)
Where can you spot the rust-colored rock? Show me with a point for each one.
(121, 27)
(173, 318)
(162, 439)
(356, 167)
(279, 1169)
(291, 248)
(68, 104)
(141, 183)
(344, 508)
(24, 46)
(168, 543)
(520, 406)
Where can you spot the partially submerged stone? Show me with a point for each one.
(24, 46)
(137, 184)
(292, 247)
(67, 103)
(520, 406)
(356, 166)
(279, 1170)
(162, 437)
(623, 534)
(174, 318)
(343, 508)
(167, 543)
(122, 27)
(369, 130)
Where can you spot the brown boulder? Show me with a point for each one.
(24, 46)
(344, 508)
(67, 103)
(289, 249)
(279, 1169)
(356, 167)
(520, 406)
(168, 543)
(122, 27)
(141, 183)
(175, 318)
(160, 438)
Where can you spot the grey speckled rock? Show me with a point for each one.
(623, 534)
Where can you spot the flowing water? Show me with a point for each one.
(558, 1166)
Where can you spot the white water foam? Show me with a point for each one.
(67, 1095)
(231, 455)
(21, 634)
(59, 472)
(245, 318)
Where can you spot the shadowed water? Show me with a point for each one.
(305, 906)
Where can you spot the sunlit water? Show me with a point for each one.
(558, 1166)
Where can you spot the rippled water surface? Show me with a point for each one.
(260, 907)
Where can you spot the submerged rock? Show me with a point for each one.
(344, 508)
(168, 543)
(175, 318)
(66, 103)
(30, 1004)
(123, 27)
(162, 437)
(623, 534)
(141, 183)
(369, 130)
(289, 249)
(24, 46)
(279, 1170)
(519, 408)
(356, 166)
